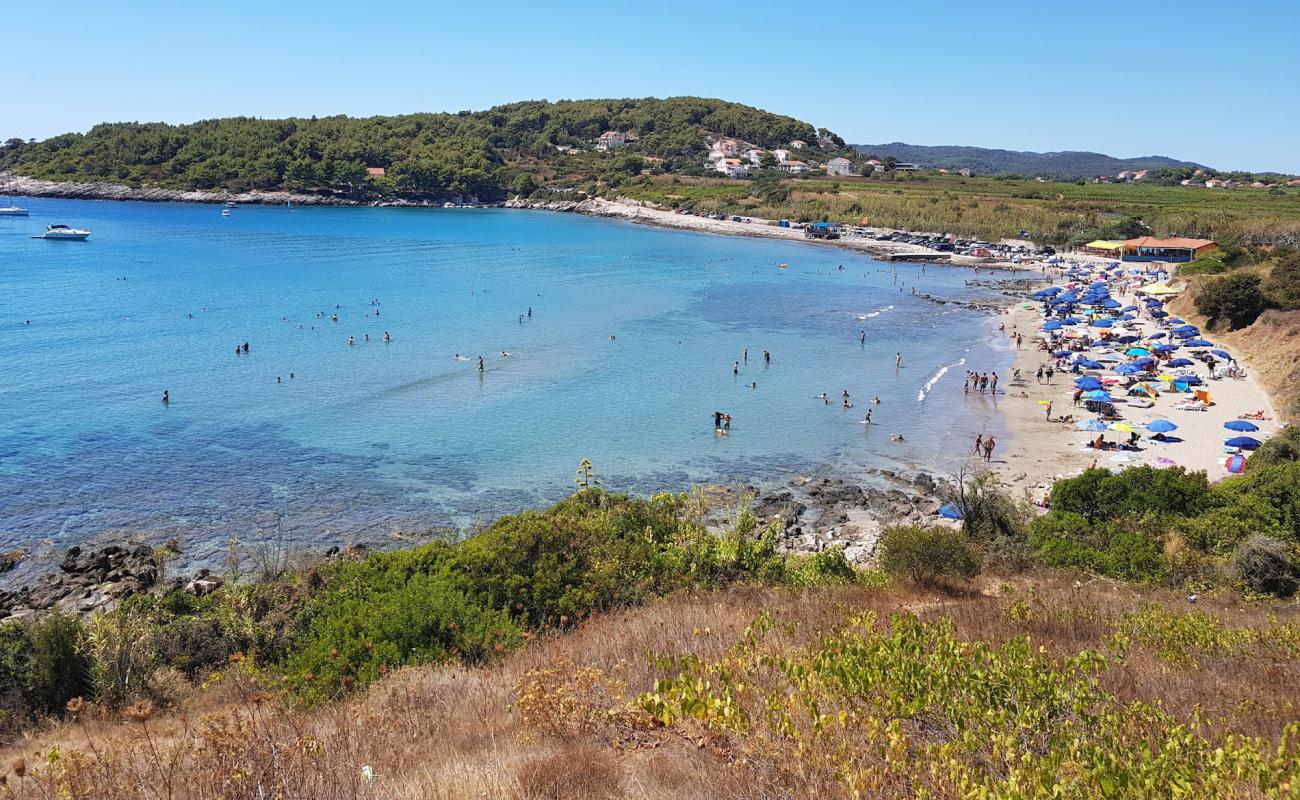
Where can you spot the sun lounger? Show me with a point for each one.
(1192, 407)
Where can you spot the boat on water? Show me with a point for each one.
(62, 232)
(232, 204)
(225, 212)
(12, 211)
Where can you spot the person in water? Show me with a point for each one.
(530, 312)
(717, 419)
(387, 338)
(867, 418)
(352, 340)
(735, 368)
(767, 357)
(480, 363)
(167, 398)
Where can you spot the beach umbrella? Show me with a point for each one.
(1198, 343)
(1087, 383)
(1137, 351)
(1188, 327)
(1052, 325)
(1105, 322)
(1071, 320)
(1159, 314)
(1128, 369)
(1130, 308)
(1160, 335)
(1121, 426)
(950, 511)
(1091, 425)
(1128, 339)
(1241, 425)
(1161, 426)
(1061, 353)
(1236, 464)
(1222, 354)
(1243, 442)
(1108, 303)
(1181, 362)
(1088, 363)
(1098, 394)
(1144, 388)
(1165, 348)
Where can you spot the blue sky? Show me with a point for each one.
(1211, 82)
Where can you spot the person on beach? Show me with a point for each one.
(993, 383)
(1040, 373)
(1049, 410)
(979, 443)
(1049, 373)
(988, 448)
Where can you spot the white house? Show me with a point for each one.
(723, 148)
(610, 140)
(732, 168)
(839, 166)
(798, 144)
(965, 172)
(781, 155)
(793, 167)
(754, 155)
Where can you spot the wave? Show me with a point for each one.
(925, 390)
(873, 313)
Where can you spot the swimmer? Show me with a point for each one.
(867, 418)
(753, 385)
(277, 379)
(387, 338)
(367, 337)
(735, 368)
(530, 312)
(847, 404)
(167, 398)
(480, 363)
(352, 340)
(504, 354)
(898, 359)
(612, 337)
(876, 401)
(896, 437)
(290, 376)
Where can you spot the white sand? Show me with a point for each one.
(1041, 452)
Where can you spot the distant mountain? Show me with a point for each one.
(1069, 165)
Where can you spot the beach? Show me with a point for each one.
(1040, 451)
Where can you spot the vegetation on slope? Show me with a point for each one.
(473, 154)
(993, 208)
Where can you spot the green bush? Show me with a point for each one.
(1098, 494)
(1281, 448)
(926, 554)
(41, 668)
(1236, 299)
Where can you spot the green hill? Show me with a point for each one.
(471, 153)
(1067, 165)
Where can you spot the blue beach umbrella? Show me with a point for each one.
(1165, 348)
(1240, 425)
(1092, 425)
(1088, 363)
(1127, 339)
(1105, 322)
(1159, 314)
(1222, 354)
(1161, 426)
(1087, 383)
(1127, 369)
(1061, 353)
(1181, 362)
(1071, 320)
(1052, 325)
(1130, 308)
(1199, 343)
(1098, 394)
(1191, 380)
(1137, 351)
(1160, 335)
(1244, 442)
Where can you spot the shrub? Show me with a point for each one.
(926, 554)
(1267, 565)
(1098, 494)
(1283, 284)
(1235, 299)
(1282, 448)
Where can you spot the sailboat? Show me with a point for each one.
(12, 210)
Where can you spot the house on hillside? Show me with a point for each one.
(798, 144)
(732, 168)
(781, 155)
(754, 155)
(1176, 250)
(965, 172)
(839, 166)
(1141, 174)
(793, 167)
(610, 140)
(723, 148)
(903, 166)
(1189, 182)
(1214, 183)
(375, 172)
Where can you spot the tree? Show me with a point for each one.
(1283, 285)
(767, 161)
(1237, 299)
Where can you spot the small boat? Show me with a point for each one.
(232, 204)
(12, 211)
(782, 266)
(62, 232)
(225, 212)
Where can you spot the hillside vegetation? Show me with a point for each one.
(993, 208)
(1066, 165)
(479, 154)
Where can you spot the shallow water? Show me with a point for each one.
(629, 351)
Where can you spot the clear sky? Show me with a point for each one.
(1213, 82)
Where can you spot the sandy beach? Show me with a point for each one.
(1040, 451)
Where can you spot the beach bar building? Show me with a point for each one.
(1177, 250)
(1103, 247)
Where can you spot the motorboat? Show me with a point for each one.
(12, 211)
(225, 212)
(63, 232)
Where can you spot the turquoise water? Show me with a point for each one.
(629, 351)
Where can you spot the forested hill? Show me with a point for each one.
(480, 154)
(1068, 165)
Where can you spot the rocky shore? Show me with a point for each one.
(11, 184)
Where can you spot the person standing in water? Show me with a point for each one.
(862, 337)
(867, 419)
(167, 398)
(988, 448)
(767, 358)
(735, 368)
(530, 312)
(979, 443)
(745, 355)
(898, 360)
(717, 420)
(480, 363)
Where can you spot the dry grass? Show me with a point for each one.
(555, 720)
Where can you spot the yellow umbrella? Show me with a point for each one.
(1120, 426)
(1166, 378)
(1043, 402)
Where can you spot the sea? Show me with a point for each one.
(601, 340)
